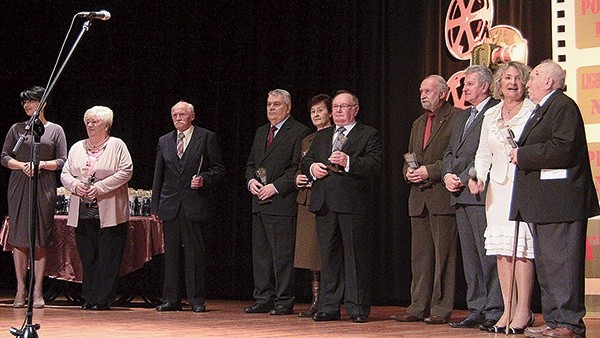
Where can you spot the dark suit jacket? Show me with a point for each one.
(280, 160)
(554, 138)
(171, 188)
(460, 154)
(431, 193)
(345, 192)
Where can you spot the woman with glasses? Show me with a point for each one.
(503, 124)
(52, 156)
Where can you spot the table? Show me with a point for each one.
(144, 240)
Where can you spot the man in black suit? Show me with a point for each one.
(554, 192)
(341, 202)
(484, 298)
(188, 167)
(270, 173)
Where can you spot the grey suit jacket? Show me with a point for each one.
(460, 154)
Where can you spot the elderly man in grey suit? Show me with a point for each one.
(270, 173)
(188, 167)
(484, 298)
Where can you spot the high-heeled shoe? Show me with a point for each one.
(38, 302)
(521, 330)
(496, 329)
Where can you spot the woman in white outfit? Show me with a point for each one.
(506, 118)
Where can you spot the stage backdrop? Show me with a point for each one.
(224, 56)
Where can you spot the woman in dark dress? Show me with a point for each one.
(53, 153)
(307, 255)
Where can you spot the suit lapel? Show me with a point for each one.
(351, 135)
(193, 147)
(281, 134)
(537, 116)
(478, 120)
(438, 122)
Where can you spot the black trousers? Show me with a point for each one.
(101, 251)
(273, 244)
(346, 254)
(560, 267)
(181, 232)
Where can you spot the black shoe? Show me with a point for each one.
(497, 329)
(87, 306)
(325, 317)
(198, 308)
(259, 308)
(281, 310)
(169, 307)
(487, 324)
(467, 323)
(359, 319)
(100, 307)
(516, 330)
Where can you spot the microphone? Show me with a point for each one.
(473, 176)
(100, 15)
(472, 173)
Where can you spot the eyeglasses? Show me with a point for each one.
(343, 106)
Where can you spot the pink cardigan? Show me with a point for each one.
(113, 170)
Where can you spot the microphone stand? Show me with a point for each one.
(35, 126)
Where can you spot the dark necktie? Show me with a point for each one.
(470, 120)
(428, 127)
(180, 137)
(271, 135)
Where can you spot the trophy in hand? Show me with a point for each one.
(411, 160)
(338, 144)
(261, 174)
(91, 203)
(507, 134)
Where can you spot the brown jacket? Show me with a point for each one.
(431, 193)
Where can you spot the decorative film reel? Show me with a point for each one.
(455, 94)
(467, 23)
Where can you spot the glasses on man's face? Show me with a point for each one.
(343, 106)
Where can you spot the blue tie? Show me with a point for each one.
(470, 120)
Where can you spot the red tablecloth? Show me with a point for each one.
(144, 240)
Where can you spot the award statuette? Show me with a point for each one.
(507, 133)
(91, 203)
(338, 144)
(261, 174)
(411, 160)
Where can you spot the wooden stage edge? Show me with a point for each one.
(225, 318)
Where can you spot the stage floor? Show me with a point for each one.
(225, 318)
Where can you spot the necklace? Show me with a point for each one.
(91, 146)
(508, 112)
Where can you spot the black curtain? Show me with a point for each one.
(224, 56)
